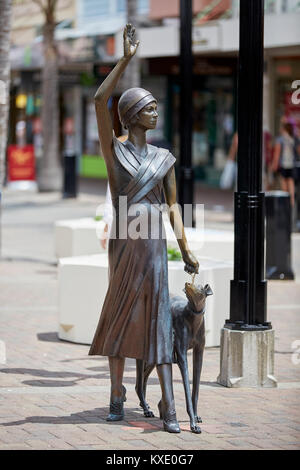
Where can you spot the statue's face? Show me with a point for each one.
(147, 117)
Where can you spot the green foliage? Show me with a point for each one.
(87, 79)
(174, 254)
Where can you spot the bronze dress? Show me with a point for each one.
(136, 319)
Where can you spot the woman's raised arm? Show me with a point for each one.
(106, 89)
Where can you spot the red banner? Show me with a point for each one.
(21, 163)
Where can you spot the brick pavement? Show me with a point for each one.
(54, 396)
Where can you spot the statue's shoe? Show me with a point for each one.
(170, 422)
(116, 408)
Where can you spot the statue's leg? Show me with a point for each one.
(167, 405)
(117, 391)
(116, 367)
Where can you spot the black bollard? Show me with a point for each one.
(278, 236)
(70, 177)
(185, 168)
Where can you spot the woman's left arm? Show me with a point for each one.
(191, 263)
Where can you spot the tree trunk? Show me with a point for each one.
(5, 23)
(50, 177)
(132, 75)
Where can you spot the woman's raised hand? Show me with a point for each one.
(130, 45)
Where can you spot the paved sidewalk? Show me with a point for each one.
(54, 396)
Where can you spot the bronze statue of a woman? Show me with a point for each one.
(136, 319)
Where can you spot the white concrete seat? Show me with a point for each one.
(83, 282)
(77, 237)
(81, 237)
(217, 244)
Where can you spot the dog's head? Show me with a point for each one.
(196, 296)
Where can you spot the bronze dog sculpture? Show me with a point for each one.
(189, 333)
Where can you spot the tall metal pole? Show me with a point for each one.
(186, 173)
(249, 288)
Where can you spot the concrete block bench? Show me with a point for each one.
(78, 237)
(209, 243)
(83, 282)
(81, 237)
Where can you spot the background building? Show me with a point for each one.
(89, 38)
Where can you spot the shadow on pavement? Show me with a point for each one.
(97, 415)
(50, 337)
(78, 377)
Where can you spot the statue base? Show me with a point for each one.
(247, 359)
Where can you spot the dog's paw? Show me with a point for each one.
(147, 412)
(198, 419)
(195, 429)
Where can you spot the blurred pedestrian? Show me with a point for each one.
(268, 176)
(284, 159)
(228, 177)
(107, 218)
(297, 141)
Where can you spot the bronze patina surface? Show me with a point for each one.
(136, 319)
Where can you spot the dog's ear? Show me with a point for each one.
(208, 290)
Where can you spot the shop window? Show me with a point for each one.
(121, 6)
(290, 6)
(143, 6)
(213, 125)
(89, 10)
(92, 8)
(270, 6)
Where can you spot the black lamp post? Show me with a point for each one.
(186, 173)
(249, 288)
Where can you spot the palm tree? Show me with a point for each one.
(50, 176)
(5, 23)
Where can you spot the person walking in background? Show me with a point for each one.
(268, 175)
(297, 139)
(233, 147)
(228, 177)
(284, 159)
(107, 218)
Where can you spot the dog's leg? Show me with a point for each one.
(197, 367)
(147, 371)
(183, 366)
(142, 373)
